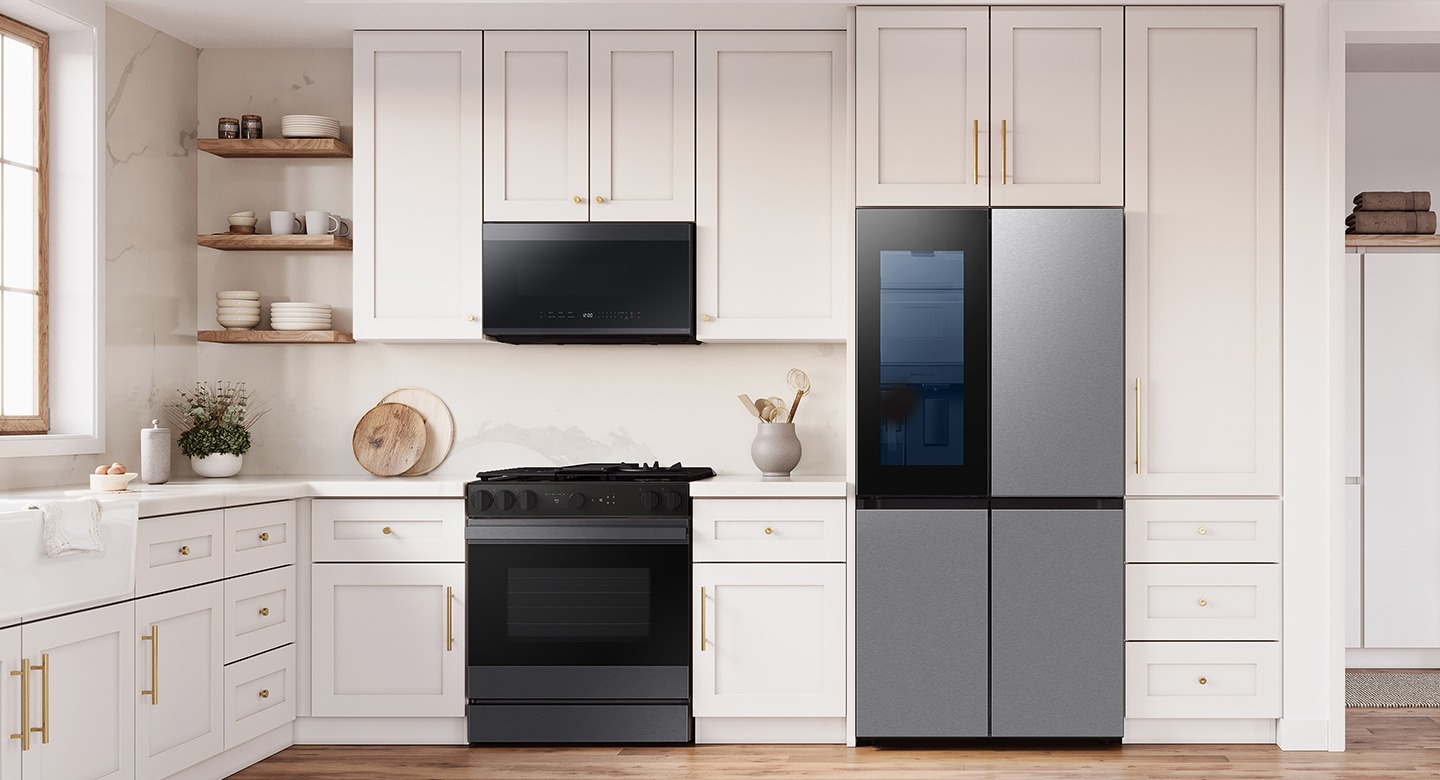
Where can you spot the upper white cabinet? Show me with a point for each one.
(922, 126)
(417, 185)
(597, 126)
(978, 106)
(179, 701)
(773, 216)
(1202, 251)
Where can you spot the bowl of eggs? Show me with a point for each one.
(111, 479)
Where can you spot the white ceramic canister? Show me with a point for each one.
(155, 454)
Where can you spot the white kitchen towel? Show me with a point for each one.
(70, 526)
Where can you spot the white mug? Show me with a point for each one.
(319, 223)
(284, 223)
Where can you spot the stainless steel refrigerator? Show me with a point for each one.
(990, 406)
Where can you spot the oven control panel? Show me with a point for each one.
(577, 499)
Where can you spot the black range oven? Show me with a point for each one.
(578, 604)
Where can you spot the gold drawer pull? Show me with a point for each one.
(578, 199)
(154, 639)
(599, 199)
(1203, 681)
(1202, 602)
(265, 537)
(185, 550)
(44, 670)
(264, 612)
(24, 674)
(702, 618)
(769, 530)
(1202, 531)
(265, 694)
(386, 530)
(449, 618)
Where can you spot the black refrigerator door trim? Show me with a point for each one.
(881, 230)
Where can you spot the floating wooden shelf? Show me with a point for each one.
(275, 337)
(275, 147)
(263, 242)
(1390, 239)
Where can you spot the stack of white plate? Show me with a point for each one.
(237, 309)
(309, 126)
(299, 315)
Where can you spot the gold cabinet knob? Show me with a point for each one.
(469, 318)
(1202, 602)
(769, 530)
(599, 199)
(265, 537)
(265, 694)
(386, 530)
(185, 550)
(1202, 531)
(264, 612)
(1203, 681)
(578, 199)
(704, 318)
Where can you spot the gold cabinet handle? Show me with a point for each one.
(24, 674)
(599, 199)
(977, 151)
(702, 618)
(1137, 425)
(265, 537)
(1004, 154)
(1202, 531)
(264, 612)
(1202, 602)
(154, 639)
(705, 318)
(449, 618)
(386, 530)
(578, 199)
(265, 694)
(44, 670)
(185, 550)
(469, 318)
(1203, 681)
(769, 530)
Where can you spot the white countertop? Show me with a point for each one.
(756, 486)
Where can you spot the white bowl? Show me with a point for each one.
(300, 305)
(243, 214)
(232, 311)
(111, 483)
(247, 294)
(243, 221)
(309, 313)
(236, 302)
(297, 326)
(242, 323)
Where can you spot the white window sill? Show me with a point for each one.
(51, 444)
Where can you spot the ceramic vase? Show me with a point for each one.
(217, 465)
(776, 449)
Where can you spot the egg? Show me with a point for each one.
(102, 469)
(115, 470)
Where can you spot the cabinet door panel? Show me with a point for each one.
(536, 117)
(1202, 246)
(773, 640)
(417, 185)
(1058, 79)
(9, 703)
(92, 695)
(378, 641)
(182, 723)
(772, 218)
(922, 645)
(642, 126)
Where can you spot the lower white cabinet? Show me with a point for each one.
(1202, 679)
(259, 612)
(179, 713)
(81, 679)
(259, 695)
(9, 703)
(388, 640)
(769, 640)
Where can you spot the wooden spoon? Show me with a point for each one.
(749, 406)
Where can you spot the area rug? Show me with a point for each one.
(1392, 689)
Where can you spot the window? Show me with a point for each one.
(24, 359)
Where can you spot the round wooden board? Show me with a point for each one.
(439, 426)
(389, 439)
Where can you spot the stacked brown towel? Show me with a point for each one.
(1391, 212)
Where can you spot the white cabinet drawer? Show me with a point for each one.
(1202, 531)
(769, 530)
(1202, 680)
(259, 612)
(259, 537)
(1202, 601)
(431, 530)
(178, 551)
(259, 695)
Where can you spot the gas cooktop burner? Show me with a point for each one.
(600, 472)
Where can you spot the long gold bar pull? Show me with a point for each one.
(1137, 425)
(449, 618)
(154, 639)
(977, 151)
(702, 618)
(44, 670)
(1004, 154)
(24, 674)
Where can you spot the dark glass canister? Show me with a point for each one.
(251, 126)
(229, 127)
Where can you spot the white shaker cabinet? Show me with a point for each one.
(89, 660)
(387, 640)
(769, 640)
(10, 703)
(179, 699)
(773, 216)
(922, 112)
(417, 186)
(1057, 102)
(1202, 251)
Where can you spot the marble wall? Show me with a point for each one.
(150, 109)
(513, 405)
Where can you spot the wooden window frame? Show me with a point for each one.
(39, 423)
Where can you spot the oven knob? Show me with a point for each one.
(528, 500)
(673, 501)
(507, 500)
(577, 500)
(485, 499)
(650, 500)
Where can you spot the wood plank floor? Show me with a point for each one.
(1383, 745)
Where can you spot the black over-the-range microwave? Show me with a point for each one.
(589, 282)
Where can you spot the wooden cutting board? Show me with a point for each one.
(389, 439)
(439, 426)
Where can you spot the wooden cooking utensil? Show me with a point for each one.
(389, 439)
(800, 381)
(749, 406)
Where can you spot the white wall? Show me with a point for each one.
(1392, 132)
(149, 247)
(513, 405)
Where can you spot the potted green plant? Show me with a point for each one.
(214, 421)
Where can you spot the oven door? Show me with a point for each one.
(578, 610)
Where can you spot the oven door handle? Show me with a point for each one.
(588, 533)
